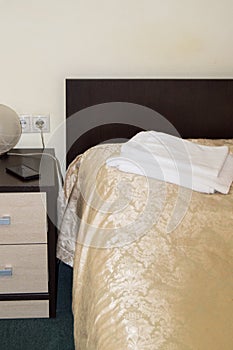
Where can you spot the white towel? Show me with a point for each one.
(164, 157)
(168, 149)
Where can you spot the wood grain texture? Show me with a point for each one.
(24, 309)
(30, 226)
(198, 108)
(30, 268)
(28, 214)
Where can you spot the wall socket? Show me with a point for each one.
(25, 121)
(40, 122)
(32, 123)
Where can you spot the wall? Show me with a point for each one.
(42, 42)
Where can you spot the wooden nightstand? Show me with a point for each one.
(28, 273)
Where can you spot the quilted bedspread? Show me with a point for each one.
(152, 262)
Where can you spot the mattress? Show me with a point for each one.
(152, 262)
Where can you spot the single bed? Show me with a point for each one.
(138, 285)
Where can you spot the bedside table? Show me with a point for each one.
(28, 273)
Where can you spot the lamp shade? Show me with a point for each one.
(10, 129)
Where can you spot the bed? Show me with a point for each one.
(146, 276)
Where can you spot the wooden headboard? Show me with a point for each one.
(197, 108)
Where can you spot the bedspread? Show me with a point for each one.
(153, 263)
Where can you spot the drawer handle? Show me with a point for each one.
(5, 220)
(6, 271)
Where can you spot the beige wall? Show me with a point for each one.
(44, 41)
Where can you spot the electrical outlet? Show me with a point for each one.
(25, 121)
(40, 122)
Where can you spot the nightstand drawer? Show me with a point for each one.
(24, 309)
(23, 218)
(23, 268)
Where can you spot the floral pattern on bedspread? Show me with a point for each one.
(162, 291)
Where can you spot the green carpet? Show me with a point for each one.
(43, 334)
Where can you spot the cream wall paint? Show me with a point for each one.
(42, 42)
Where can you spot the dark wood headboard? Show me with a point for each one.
(198, 108)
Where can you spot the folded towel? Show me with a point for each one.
(164, 157)
(168, 149)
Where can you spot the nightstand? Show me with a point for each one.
(28, 272)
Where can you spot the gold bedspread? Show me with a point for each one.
(157, 290)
